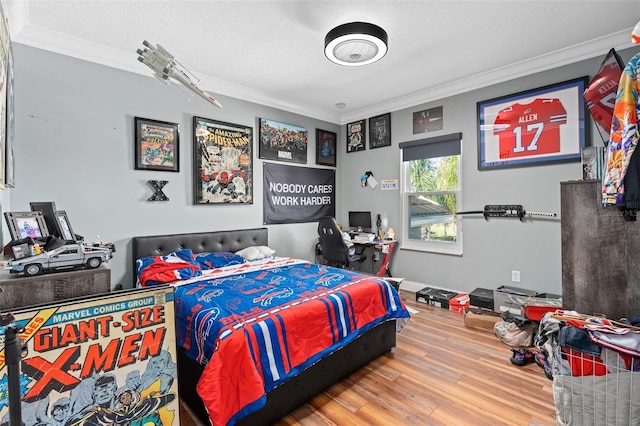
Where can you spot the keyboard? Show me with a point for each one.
(364, 237)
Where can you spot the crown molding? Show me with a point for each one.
(17, 15)
(33, 36)
(586, 50)
(81, 49)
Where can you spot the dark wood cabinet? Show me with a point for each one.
(600, 254)
(18, 290)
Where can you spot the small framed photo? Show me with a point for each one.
(157, 145)
(66, 232)
(380, 131)
(282, 142)
(357, 136)
(26, 224)
(325, 148)
(540, 126)
(428, 120)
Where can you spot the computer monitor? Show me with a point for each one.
(360, 221)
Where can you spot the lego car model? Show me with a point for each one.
(65, 257)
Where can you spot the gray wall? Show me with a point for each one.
(74, 145)
(492, 248)
(74, 135)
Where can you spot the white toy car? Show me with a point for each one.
(67, 256)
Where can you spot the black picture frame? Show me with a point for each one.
(279, 141)
(428, 120)
(380, 131)
(64, 226)
(356, 136)
(48, 209)
(326, 148)
(26, 224)
(157, 145)
(223, 162)
(540, 126)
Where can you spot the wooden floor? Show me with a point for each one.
(440, 373)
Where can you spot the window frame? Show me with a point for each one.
(451, 248)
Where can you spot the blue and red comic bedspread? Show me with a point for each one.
(254, 325)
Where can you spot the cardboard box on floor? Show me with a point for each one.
(480, 318)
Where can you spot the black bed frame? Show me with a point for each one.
(297, 390)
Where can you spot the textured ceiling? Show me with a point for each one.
(271, 52)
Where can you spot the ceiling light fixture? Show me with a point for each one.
(355, 44)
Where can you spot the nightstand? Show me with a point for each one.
(18, 290)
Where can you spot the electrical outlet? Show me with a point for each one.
(515, 276)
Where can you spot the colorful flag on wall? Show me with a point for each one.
(600, 95)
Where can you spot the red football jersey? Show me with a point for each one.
(530, 129)
(600, 95)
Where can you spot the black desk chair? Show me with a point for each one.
(334, 249)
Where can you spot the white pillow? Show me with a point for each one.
(256, 252)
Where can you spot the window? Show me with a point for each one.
(431, 194)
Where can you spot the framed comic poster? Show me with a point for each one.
(357, 136)
(282, 142)
(540, 126)
(223, 162)
(157, 145)
(380, 131)
(325, 148)
(116, 351)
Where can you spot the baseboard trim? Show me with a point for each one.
(411, 286)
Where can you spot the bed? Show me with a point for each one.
(281, 392)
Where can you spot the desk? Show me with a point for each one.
(383, 247)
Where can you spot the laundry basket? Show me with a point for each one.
(596, 372)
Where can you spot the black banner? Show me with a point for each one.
(297, 194)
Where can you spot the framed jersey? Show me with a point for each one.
(539, 126)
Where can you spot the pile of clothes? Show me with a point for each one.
(519, 332)
(595, 367)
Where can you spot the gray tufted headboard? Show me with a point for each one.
(199, 242)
